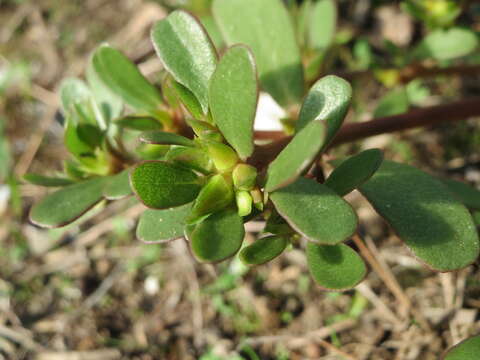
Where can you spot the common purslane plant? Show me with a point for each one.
(195, 167)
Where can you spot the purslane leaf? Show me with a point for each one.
(296, 157)
(186, 52)
(467, 194)
(165, 138)
(193, 158)
(315, 211)
(233, 96)
(141, 123)
(335, 267)
(117, 186)
(46, 180)
(263, 250)
(266, 28)
(188, 99)
(68, 204)
(161, 185)
(466, 350)
(432, 222)
(322, 24)
(354, 171)
(73, 91)
(158, 226)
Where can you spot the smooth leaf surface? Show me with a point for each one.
(193, 158)
(233, 98)
(157, 226)
(186, 52)
(263, 250)
(188, 99)
(140, 123)
(124, 79)
(335, 267)
(266, 28)
(468, 349)
(327, 100)
(68, 204)
(165, 138)
(448, 44)
(117, 186)
(432, 222)
(218, 237)
(322, 24)
(161, 185)
(354, 171)
(315, 211)
(467, 194)
(296, 157)
(46, 180)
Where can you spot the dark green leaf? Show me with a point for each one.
(266, 28)
(315, 211)
(218, 237)
(46, 180)
(189, 100)
(446, 44)
(263, 250)
(296, 157)
(141, 123)
(392, 103)
(322, 24)
(68, 204)
(233, 98)
(435, 226)
(327, 100)
(74, 143)
(468, 349)
(335, 267)
(186, 52)
(165, 138)
(161, 185)
(354, 171)
(467, 194)
(124, 79)
(117, 186)
(157, 226)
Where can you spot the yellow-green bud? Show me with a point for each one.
(244, 203)
(223, 156)
(244, 177)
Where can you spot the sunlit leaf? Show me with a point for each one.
(465, 350)
(263, 250)
(322, 24)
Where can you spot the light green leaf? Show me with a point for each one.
(141, 123)
(263, 250)
(186, 52)
(266, 28)
(46, 180)
(465, 350)
(75, 143)
(335, 267)
(467, 194)
(117, 186)
(124, 79)
(233, 98)
(68, 204)
(73, 91)
(188, 99)
(158, 226)
(193, 158)
(296, 157)
(218, 237)
(161, 185)
(327, 100)
(354, 171)
(315, 211)
(322, 24)
(223, 156)
(165, 138)
(392, 103)
(434, 225)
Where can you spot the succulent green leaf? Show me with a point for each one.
(467, 194)
(67, 204)
(186, 52)
(141, 123)
(124, 79)
(392, 103)
(422, 211)
(223, 156)
(322, 24)
(244, 177)
(117, 186)
(327, 100)
(158, 226)
(244, 202)
(188, 99)
(465, 350)
(161, 185)
(233, 98)
(315, 211)
(263, 250)
(218, 237)
(165, 138)
(193, 158)
(354, 171)
(335, 267)
(265, 26)
(75, 143)
(73, 91)
(46, 180)
(296, 157)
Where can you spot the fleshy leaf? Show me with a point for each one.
(223, 156)
(193, 158)
(468, 349)
(124, 79)
(327, 100)
(68, 204)
(432, 222)
(467, 194)
(117, 186)
(165, 138)
(161, 185)
(218, 237)
(266, 28)
(263, 250)
(186, 52)
(447, 44)
(335, 267)
(46, 180)
(74, 92)
(233, 98)
(296, 157)
(188, 99)
(158, 226)
(322, 24)
(315, 211)
(141, 123)
(354, 171)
